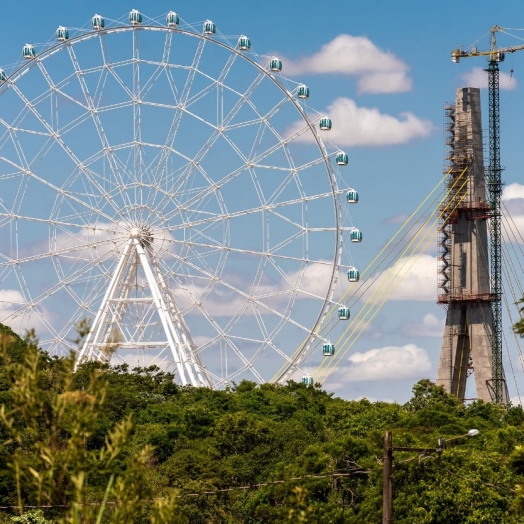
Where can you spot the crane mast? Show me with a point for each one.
(494, 183)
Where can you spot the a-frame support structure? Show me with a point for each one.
(158, 327)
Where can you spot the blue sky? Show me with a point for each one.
(416, 37)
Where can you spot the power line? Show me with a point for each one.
(197, 494)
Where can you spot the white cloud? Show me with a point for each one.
(416, 277)
(11, 300)
(512, 191)
(396, 219)
(389, 82)
(367, 126)
(379, 71)
(513, 213)
(309, 283)
(387, 363)
(477, 77)
(515, 401)
(431, 326)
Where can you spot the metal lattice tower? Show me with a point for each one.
(495, 189)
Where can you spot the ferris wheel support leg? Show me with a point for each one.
(173, 336)
(95, 332)
(189, 344)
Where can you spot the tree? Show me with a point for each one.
(518, 327)
(48, 422)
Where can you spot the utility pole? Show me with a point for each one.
(387, 493)
(387, 489)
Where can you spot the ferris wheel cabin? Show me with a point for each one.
(209, 28)
(325, 124)
(62, 34)
(307, 380)
(98, 22)
(344, 313)
(3, 76)
(244, 44)
(355, 235)
(328, 350)
(353, 274)
(28, 52)
(172, 19)
(275, 64)
(135, 17)
(351, 196)
(303, 91)
(342, 159)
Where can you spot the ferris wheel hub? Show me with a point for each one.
(143, 234)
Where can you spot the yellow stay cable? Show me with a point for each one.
(331, 366)
(370, 265)
(367, 312)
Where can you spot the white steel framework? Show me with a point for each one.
(183, 201)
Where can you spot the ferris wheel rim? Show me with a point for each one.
(13, 78)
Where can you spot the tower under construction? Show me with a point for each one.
(464, 275)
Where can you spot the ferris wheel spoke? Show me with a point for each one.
(215, 83)
(196, 161)
(243, 212)
(238, 171)
(31, 303)
(11, 262)
(248, 297)
(137, 111)
(160, 66)
(266, 339)
(261, 254)
(111, 67)
(93, 114)
(79, 165)
(177, 117)
(54, 89)
(261, 118)
(62, 223)
(219, 129)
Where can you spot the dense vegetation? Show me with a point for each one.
(157, 452)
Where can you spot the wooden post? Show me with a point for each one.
(387, 493)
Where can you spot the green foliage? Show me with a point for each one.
(518, 327)
(31, 517)
(121, 445)
(47, 422)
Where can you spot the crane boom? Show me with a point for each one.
(496, 54)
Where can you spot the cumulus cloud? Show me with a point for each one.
(395, 219)
(387, 363)
(512, 192)
(11, 301)
(367, 126)
(310, 283)
(378, 71)
(477, 77)
(431, 326)
(513, 213)
(416, 277)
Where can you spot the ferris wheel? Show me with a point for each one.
(169, 187)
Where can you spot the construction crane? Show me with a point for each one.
(494, 181)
